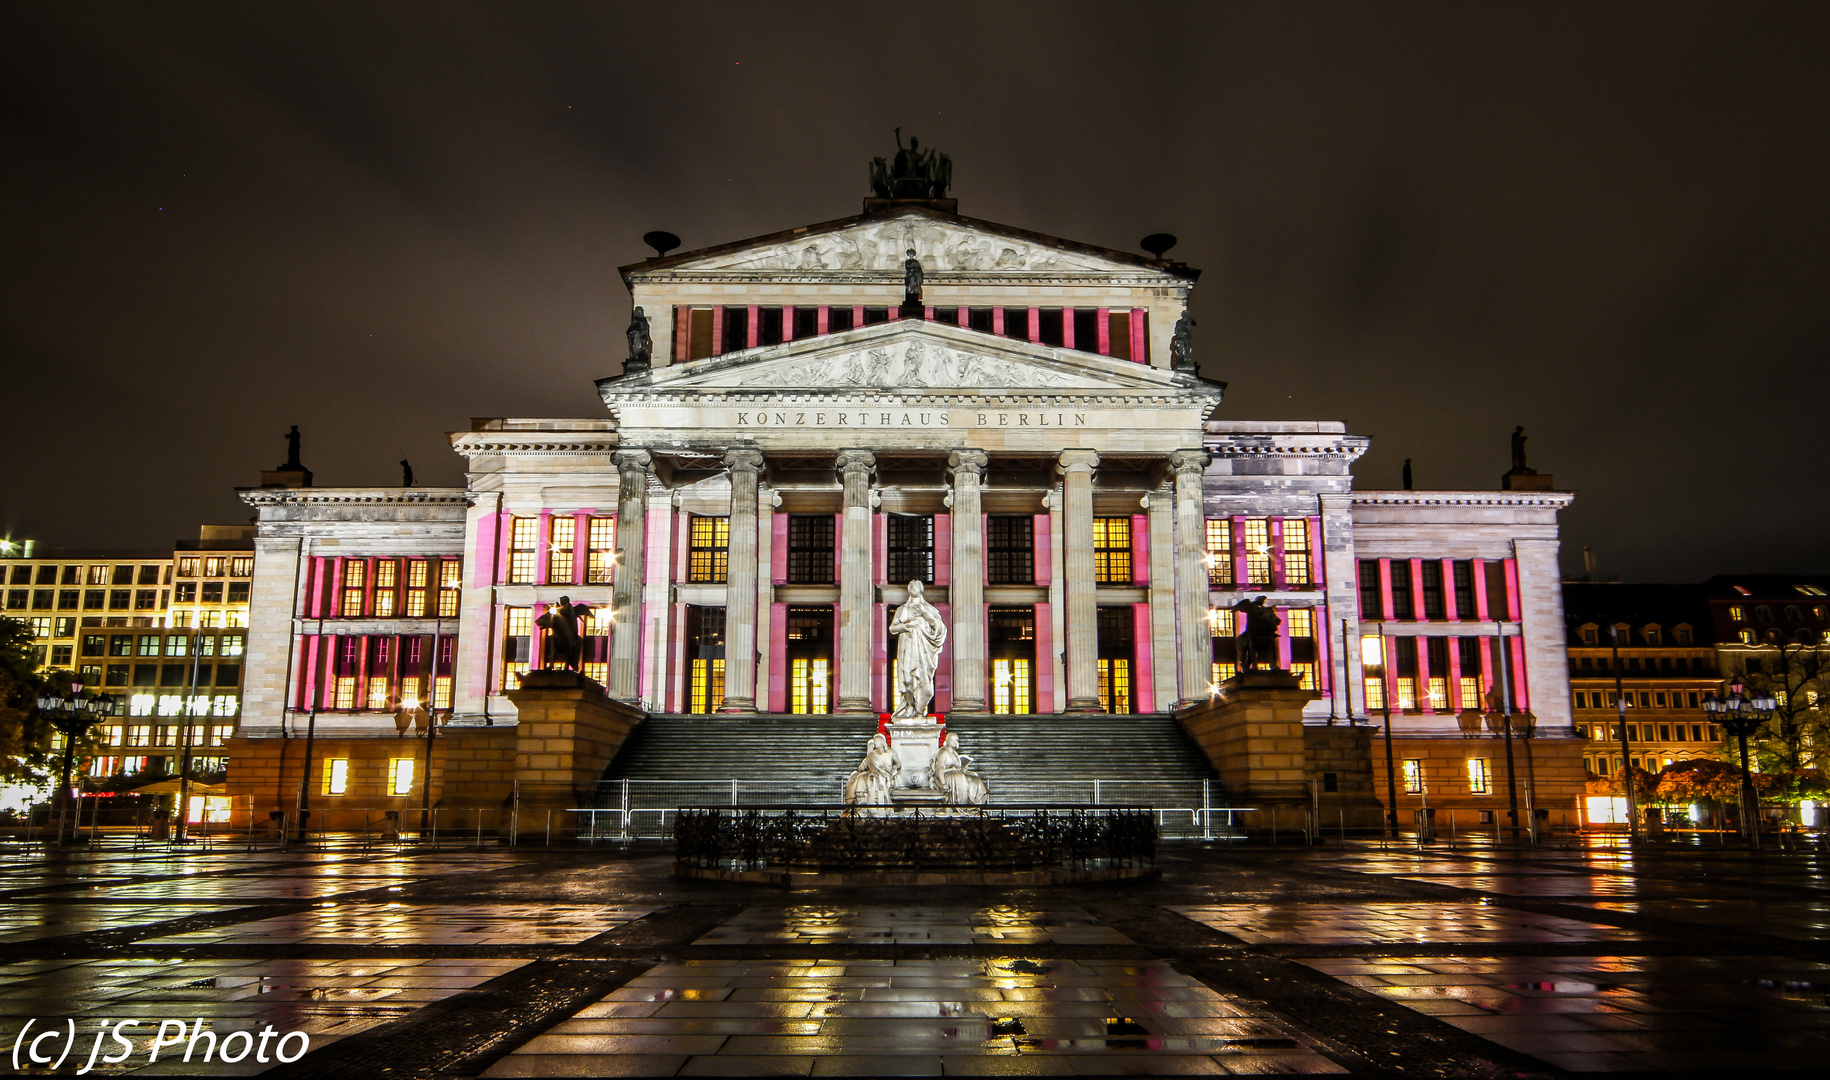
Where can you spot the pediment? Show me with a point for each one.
(907, 357)
(877, 244)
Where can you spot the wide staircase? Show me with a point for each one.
(772, 760)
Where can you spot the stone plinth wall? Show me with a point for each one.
(1346, 753)
(1253, 735)
(569, 730)
(1556, 764)
(472, 768)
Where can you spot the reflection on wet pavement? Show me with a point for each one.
(916, 1017)
(1343, 924)
(428, 924)
(814, 924)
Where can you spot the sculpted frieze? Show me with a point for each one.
(880, 246)
(910, 364)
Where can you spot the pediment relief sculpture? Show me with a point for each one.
(940, 248)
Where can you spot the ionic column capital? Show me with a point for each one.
(1189, 463)
(855, 461)
(1077, 461)
(750, 461)
(631, 461)
(972, 462)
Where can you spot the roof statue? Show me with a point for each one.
(641, 343)
(1518, 447)
(1182, 344)
(913, 173)
(292, 450)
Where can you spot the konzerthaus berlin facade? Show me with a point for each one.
(748, 511)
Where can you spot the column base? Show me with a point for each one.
(1084, 705)
(854, 708)
(738, 705)
(969, 707)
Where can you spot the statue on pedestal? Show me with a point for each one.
(920, 632)
(1182, 345)
(951, 774)
(869, 784)
(564, 645)
(1518, 448)
(912, 278)
(1258, 645)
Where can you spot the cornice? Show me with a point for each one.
(354, 496)
(1144, 280)
(1070, 399)
(521, 444)
(1348, 447)
(1551, 499)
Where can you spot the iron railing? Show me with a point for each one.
(847, 838)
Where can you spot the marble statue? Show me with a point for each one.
(564, 645)
(641, 343)
(1258, 645)
(1182, 345)
(951, 774)
(920, 632)
(869, 783)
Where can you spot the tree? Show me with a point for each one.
(1796, 674)
(1683, 782)
(25, 736)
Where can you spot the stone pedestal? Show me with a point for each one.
(1253, 735)
(568, 731)
(915, 742)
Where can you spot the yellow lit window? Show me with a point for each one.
(1296, 551)
(387, 579)
(517, 644)
(336, 776)
(1480, 780)
(1112, 550)
(1737, 614)
(1219, 671)
(1439, 693)
(601, 542)
(559, 550)
(1010, 683)
(1413, 776)
(1115, 684)
(1372, 652)
(1470, 692)
(441, 692)
(1219, 551)
(416, 588)
(400, 776)
(355, 573)
(1407, 693)
(523, 535)
(378, 693)
(808, 679)
(707, 689)
(346, 693)
(1306, 673)
(1257, 551)
(1300, 621)
(1375, 693)
(708, 549)
(450, 576)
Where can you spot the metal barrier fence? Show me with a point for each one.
(645, 809)
(851, 838)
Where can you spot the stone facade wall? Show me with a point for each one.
(1346, 753)
(1556, 764)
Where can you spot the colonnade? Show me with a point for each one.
(1181, 518)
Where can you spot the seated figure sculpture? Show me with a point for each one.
(951, 774)
(869, 783)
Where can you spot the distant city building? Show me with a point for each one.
(1656, 646)
(163, 630)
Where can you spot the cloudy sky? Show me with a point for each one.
(1607, 223)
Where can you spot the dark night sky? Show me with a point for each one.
(1608, 223)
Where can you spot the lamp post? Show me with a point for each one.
(73, 713)
(1385, 695)
(1742, 713)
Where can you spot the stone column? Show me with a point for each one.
(855, 583)
(631, 569)
(740, 592)
(1197, 649)
(1076, 467)
(966, 592)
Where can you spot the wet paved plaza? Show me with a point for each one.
(488, 962)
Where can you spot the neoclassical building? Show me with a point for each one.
(805, 440)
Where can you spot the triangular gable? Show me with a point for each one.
(908, 355)
(944, 243)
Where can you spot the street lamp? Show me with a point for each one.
(1742, 714)
(73, 713)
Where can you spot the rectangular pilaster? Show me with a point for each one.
(967, 591)
(1076, 468)
(740, 592)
